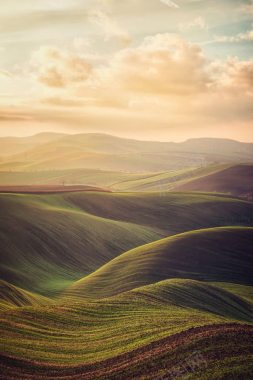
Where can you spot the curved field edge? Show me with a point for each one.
(221, 254)
(12, 296)
(80, 332)
(193, 352)
(71, 235)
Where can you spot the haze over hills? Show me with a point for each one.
(16, 145)
(105, 152)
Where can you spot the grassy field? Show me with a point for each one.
(99, 285)
(115, 180)
(60, 238)
(196, 255)
(118, 336)
(56, 242)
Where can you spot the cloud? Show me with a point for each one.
(13, 114)
(57, 68)
(247, 8)
(247, 36)
(239, 75)
(110, 27)
(164, 79)
(169, 3)
(162, 64)
(62, 102)
(197, 23)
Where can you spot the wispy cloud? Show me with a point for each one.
(247, 36)
(110, 27)
(198, 23)
(169, 3)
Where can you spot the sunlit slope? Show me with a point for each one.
(11, 296)
(106, 328)
(122, 336)
(243, 291)
(166, 180)
(216, 254)
(46, 243)
(198, 295)
(235, 180)
(122, 181)
(49, 241)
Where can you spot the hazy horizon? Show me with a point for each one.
(149, 70)
(122, 137)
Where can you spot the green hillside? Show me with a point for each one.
(93, 177)
(216, 254)
(118, 336)
(11, 296)
(84, 296)
(166, 180)
(46, 243)
(196, 295)
(167, 211)
(115, 180)
(59, 238)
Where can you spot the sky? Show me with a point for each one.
(146, 69)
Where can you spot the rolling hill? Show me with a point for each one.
(60, 238)
(216, 254)
(55, 243)
(150, 331)
(119, 309)
(236, 180)
(48, 189)
(15, 145)
(116, 181)
(11, 296)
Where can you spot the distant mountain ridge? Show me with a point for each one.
(106, 152)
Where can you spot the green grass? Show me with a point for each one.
(216, 254)
(11, 296)
(56, 243)
(167, 211)
(71, 334)
(116, 180)
(243, 291)
(61, 238)
(147, 308)
(105, 328)
(197, 295)
(166, 180)
(93, 177)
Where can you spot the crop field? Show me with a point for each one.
(104, 285)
